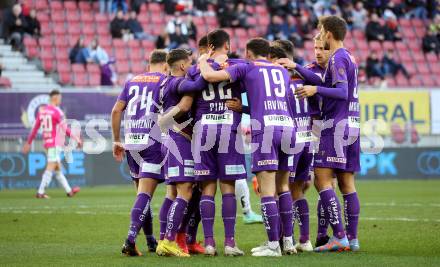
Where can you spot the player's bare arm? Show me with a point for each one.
(118, 148)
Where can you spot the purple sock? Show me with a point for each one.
(193, 204)
(332, 208)
(191, 234)
(163, 217)
(138, 212)
(207, 213)
(175, 216)
(303, 219)
(322, 220)
(351, 212)
(280, 225)
(229, 214)
(286, 216)
(271, 217)
(147, 226)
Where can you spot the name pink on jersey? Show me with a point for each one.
(51, 119)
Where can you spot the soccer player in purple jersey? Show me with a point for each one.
(339, 147)
(187, 235)
(215, 155)
(138, 100)
(180, 165)
(267, 87)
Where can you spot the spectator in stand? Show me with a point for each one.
(136, 29)
(192, 29)
(33, 25)
(136, 5)
(391, 29)
(291, 32)
(163, 40)
(201, 6)
(305, 27)
(275, 29)
(118, 26)
(435, 25)
(374, 31)
(373, 67)
(177, 39)
(79, 53)
(97, 54)
(177, 22)
(359, 14)
(431, 43)
(416, 9)
(391, 66)
(105, 6)
(15, 27)
(119, 5)
(280, 8)
(241, 15)
(227, 15)
(347, 14)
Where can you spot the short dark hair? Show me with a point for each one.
(287, 46)
(203, 42)
(218, 38)
(336, 25)
(233, 55)
(258, 46)
(277, 52)
(158, 56)
(177, 55)
(54, 92)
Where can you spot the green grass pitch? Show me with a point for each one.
(399, 226)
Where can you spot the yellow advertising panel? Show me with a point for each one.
(396, 107)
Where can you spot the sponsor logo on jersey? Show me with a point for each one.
(150, 167)
(225, 118)
(173, 171)
(337, 160)
(136, 139)
(146, 78)
(188, 171)
(304, 137)
(188, 162)
(267, 162)
(278, 120)
(234, 169)
(354, 122)
(290, 161)
(201, 172)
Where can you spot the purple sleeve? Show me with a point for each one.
(339, 71)
(237, 72)
(314, 105)
(309, 76)
(340, 91)
(192, 73)
(123, 96)
(188, 86)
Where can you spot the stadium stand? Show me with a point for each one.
(63, 22)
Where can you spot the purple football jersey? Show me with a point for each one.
(210, 103)
(300, 112)
(170, 97)
(267, 86)
(315, 102)
(141, 95)
(342, 68)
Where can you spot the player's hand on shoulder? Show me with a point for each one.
(287, 63)
(306, 91)
(26, 148)
(118, 151)
(234, 104)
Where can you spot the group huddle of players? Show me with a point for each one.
(182, 126)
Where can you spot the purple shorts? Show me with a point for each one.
(333, 153)
(146, 163)
(302, 163)
(269, 156)
(220, 158)
(180, 163)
